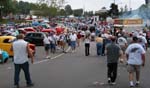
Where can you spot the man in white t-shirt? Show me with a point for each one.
(135, 58)
(143, 41)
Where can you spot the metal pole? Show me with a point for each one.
(1, 7)
(83, 6)
(130, 5)
(0, 12)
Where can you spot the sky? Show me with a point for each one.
(95, 5)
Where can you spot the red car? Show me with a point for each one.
(59, 30)
(48, 30)
(22, 31)
(30, 29)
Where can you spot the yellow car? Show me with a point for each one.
(6, 43)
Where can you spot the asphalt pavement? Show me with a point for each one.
(72, 70)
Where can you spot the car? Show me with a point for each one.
(3, 56)
(22, 31)
(35, 38)
(29, 29)
(48, 30)
(6, 43)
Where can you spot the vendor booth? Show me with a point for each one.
(128, 25)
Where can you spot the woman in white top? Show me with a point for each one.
(46, 42)
(87, 45)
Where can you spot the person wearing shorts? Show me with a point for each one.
(73, 38)
(135, 59)
(46, 42)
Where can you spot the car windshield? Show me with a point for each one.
(12, 40)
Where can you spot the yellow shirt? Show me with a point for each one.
(99, 40)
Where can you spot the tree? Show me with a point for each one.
(62, 12)
(34, 6)
(23, 7)
(6, 6)
(68, 10)
(78, 12)
(114, 12)
(89, 13)
(53, 11)
(53, 3)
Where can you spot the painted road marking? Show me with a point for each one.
(38, 62)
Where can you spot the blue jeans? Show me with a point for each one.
(53, 47)
(25, 68)
(99, 48)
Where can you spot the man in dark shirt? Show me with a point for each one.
(113, 52)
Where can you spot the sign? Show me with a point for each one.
(132, 21)
(118, 21)
(128, 21)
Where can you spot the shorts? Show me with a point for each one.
(47, 46)
(123, 48)
(62, 43)
(133, 68)
(73, 44)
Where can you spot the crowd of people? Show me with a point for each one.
(129, 48)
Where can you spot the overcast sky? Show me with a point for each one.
(96, 5)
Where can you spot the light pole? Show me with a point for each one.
(1, 7)
(114, 1)
(130, 8)
(83, 1)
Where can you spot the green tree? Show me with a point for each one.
(68, 10)
(53, 11)
(53, 3)
(88, 13)
(23, 7)
(6, 6)
(62, 12)
(114, 12)
(34, 6)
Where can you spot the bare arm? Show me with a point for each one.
(143, 59)
(30, 53)
(127, 56)
(11, 48)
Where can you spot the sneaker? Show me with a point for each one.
(30, 85)
(16, 86)
(47, 57)
(64, 52)
(109, 80)
(113, 83)
(131, 86)
(73, 51)
(137, 83)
